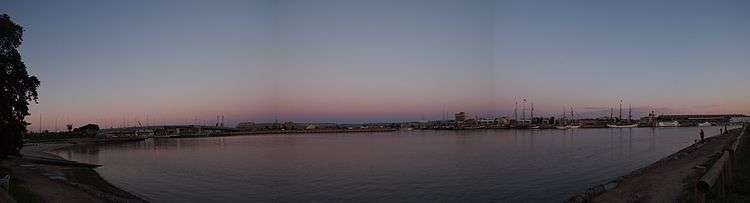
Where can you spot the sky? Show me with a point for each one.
(175, 62)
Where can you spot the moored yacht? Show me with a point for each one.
(705, 124)
(669, 124)
(622, 125)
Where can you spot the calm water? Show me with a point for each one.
(413, 166)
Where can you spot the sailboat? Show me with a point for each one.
(531, 123)
(569, 125)
(627, 124)
(622, 126)
(565, 127)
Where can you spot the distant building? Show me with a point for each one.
(290, 126)
(461, 116)
(324, 125)
(502, 121)
(246, 125)
(251, 126)
(487, 122)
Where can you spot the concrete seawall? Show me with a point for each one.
(667, 180)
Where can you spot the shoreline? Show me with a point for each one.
(53, 178)
(286, 132)
(668, 179)
(85, 179)
(336, 131)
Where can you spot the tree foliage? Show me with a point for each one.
(17, 88)
(88, 127)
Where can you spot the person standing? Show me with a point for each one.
(702, 134)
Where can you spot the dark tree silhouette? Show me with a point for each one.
(17, 88)
(89, 127)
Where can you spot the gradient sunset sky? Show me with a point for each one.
(176, 62)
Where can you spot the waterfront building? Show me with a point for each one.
(502, 121)
(461, 116)
(487, 123)
(246, 125)
(251, 126)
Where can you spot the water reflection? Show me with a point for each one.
(481, 165)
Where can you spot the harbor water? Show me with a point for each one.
(401, 166)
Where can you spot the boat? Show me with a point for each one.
(622, 126)
(535, 127)
(669, 124)
(705, 124)
(565, 127)
(570, 123)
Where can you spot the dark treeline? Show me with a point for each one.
(17, 88)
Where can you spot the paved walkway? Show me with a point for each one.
(671, 179)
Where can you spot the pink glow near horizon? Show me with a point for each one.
(366, 61)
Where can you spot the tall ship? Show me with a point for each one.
(628, 124)
(570, 124)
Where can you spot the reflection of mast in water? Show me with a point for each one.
(652, 140)
(531, 139)
(630, 141)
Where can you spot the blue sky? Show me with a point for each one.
(377, 60)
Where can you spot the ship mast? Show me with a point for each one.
(620, 118)
(515, 112)
(630, 112)
(572, 116)
(523, 110)
(532, 112)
